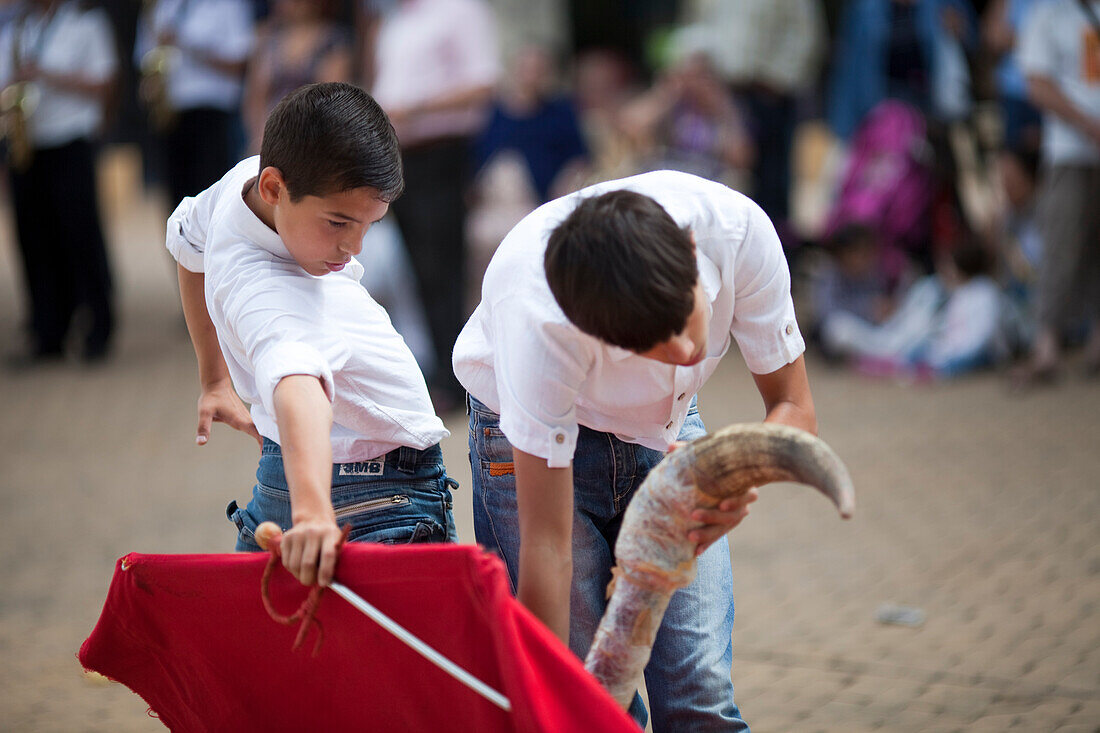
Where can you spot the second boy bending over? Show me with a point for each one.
(602, 315)
(273, 302)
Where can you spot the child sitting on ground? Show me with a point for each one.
(850, 279)
(948, 323)
(277, 315)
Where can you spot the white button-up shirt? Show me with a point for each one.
(223, 29)
(72, 41)
(525, 360)
(273, 319)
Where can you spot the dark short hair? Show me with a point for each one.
(331, 137)
(623, 270)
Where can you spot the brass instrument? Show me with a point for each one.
(155, 67)
(17, 103)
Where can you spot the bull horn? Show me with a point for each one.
(653, 554)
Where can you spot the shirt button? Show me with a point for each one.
(681, 397)
(789, 329)
(669, 426)
(559, 438)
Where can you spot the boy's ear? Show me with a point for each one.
(271, 186)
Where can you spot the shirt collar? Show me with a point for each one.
(259, 233)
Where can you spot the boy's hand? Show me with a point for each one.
(720, 520)
(220, 403)
(309, 550)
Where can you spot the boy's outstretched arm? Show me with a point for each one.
(218, 401)
(545, 499)
(304, 415)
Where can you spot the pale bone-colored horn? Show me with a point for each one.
(654, 556)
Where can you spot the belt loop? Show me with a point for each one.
(407, 459)
(468, 407)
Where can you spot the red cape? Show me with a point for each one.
(189, 633)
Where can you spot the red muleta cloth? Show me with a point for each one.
(189, 633)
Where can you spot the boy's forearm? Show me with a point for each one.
(304, 416)
(787, 397)
(545, 498)
(204, 336)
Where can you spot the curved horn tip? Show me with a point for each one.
(847, 507)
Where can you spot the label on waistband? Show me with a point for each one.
(362, 468)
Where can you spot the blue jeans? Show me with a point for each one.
(403, 497)
(688, 675)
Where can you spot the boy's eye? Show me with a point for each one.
(337, 224)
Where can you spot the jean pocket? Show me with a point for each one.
(424, 530)
(246, 528)
(492, 450)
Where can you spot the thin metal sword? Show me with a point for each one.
(268, 535)
(421, 648)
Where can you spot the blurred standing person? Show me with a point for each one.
(1001, 23)
(604, 81)
(193, 54)
(688, 121)
(1060, 57)
(59, 59)
(532, 117)
(532, 150)
(435, 64)
(299, 44)
(896, 49)
(769, 52)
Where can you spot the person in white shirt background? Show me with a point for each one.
(64, 57)
(433, 67)
(602, 315)
(207, 44)
(1059, 53)
(277, 315)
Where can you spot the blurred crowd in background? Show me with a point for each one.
(932, 166)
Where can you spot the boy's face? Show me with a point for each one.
(689, 347)
(322, 233)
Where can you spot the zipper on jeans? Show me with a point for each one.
(372, 505)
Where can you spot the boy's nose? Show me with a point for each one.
(680, 349)
(352, 246)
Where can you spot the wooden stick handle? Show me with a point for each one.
(269, 536)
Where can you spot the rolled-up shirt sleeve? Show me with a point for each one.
(187, 229)
(283, 359)
(280, 335)
(763, 314)
(539, 374)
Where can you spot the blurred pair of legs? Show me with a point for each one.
(1069, 272)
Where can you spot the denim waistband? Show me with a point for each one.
(473, 404)
(405, 459)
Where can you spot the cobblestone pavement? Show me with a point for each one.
(978, 508)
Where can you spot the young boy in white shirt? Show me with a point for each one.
(602, 315)
(271, 294)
